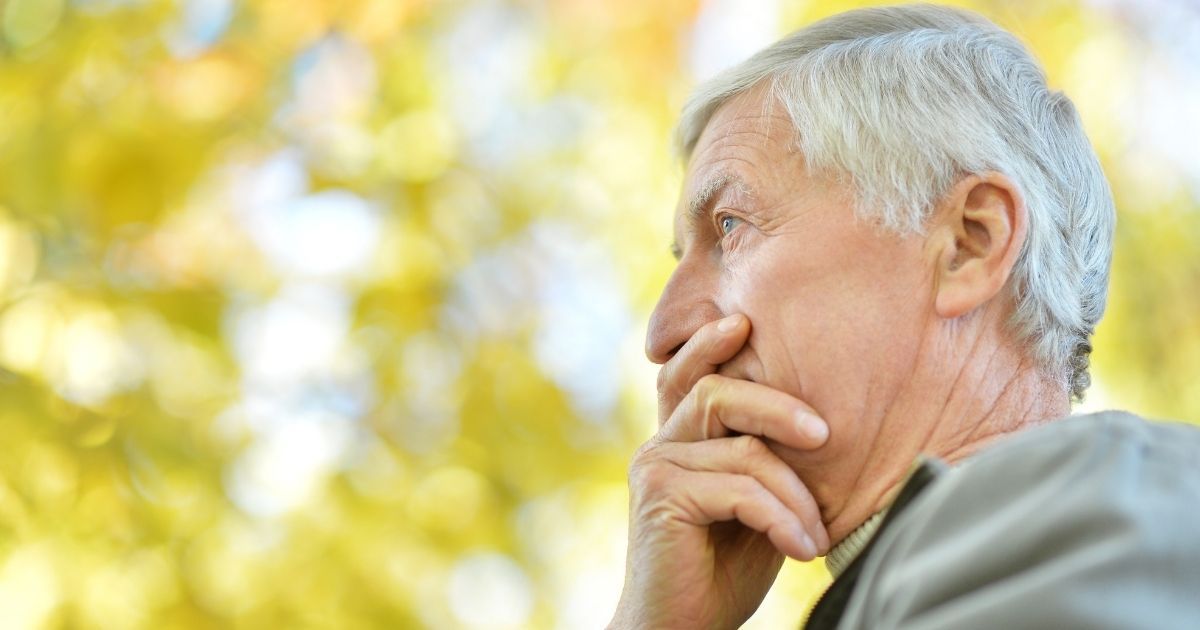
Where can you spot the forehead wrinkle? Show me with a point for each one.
(732, 139)
(761, 122)
(754, 125)
(722, 135)
(753, 111)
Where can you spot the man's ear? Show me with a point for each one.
(981, 227)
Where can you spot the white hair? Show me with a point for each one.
(903, 102)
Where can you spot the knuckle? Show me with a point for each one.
(644, 453)
(708, 405)
(708, 384)
(706, 392)
(748, 447)
(652, 478)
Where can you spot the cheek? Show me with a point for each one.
(780, 291)
(781, 282)
(753, 283)
(824, 322)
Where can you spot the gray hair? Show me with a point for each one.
(905, 101)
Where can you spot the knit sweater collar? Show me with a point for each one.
(848, 549)
(851, 546)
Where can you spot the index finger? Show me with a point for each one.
(713, 344)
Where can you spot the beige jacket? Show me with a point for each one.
(1087, 522)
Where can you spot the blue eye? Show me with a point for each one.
(728, 222)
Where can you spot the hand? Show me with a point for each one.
(712, 508)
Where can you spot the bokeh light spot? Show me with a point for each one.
(448, 499)
(29, 586)
(417, 146)
(18, 256)
(28, 22)
(95, 360)
(28, 332)
(203, 89)
(489, 590)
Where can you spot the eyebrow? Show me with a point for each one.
(712, 189)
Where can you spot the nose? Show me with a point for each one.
(686, 304)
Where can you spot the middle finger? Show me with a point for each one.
(719, 406)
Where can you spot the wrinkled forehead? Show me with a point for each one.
(751, 136)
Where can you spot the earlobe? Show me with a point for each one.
(982, 224)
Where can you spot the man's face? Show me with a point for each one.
(837, 305)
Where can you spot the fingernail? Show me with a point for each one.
(729, 323)
(810, 548)
(823, 548)
(812, 426)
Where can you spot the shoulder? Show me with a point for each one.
(1108, 461)
(1086, 521)
(1081, 438)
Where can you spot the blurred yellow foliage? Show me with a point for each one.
(329, 314)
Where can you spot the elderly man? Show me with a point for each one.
(893, 247)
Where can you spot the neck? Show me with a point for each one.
(991, 391)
